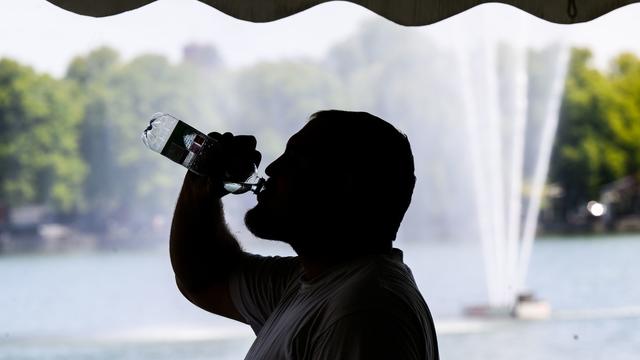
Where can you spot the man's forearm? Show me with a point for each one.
(203, 250)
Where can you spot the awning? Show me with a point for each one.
(405, 12)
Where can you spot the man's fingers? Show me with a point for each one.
(244, 147)
(238, 141)
(245, 141)
(236, 154)
(227, 136)
(257, 157)
(215, 135)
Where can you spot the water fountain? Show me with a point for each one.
(508, 181)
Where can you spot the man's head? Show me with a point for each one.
(343, 183)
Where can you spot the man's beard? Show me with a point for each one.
(263, 224)
(304, 237)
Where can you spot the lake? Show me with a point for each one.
(124, 305)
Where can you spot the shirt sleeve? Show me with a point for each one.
(370, 335)
(259, 284)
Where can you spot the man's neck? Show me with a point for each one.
(315, 265)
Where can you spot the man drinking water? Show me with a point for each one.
(337, 195)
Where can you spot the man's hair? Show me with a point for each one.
(380, 160)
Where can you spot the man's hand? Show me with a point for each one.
(233, 159)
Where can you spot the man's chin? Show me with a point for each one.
(262, 224)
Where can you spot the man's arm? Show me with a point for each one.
(203, 252)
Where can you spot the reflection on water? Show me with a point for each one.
(125, 305)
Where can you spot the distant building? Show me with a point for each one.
(19, 227)
(621, 200)
(4, 217)
(616, 210)
(204, 56)
(33, 228)
(556, 217)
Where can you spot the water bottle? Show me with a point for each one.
(186, 146)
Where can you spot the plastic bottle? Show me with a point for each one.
(186, 146)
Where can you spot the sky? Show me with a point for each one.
(46, 37)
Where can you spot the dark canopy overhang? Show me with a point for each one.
(405, 12)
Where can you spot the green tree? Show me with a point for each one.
(599, 127)
(39, 152)
(118, 99)
(91, 75)
(623, 115)
(125, 179)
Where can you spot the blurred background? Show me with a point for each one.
(526, 137)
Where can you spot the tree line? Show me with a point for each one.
(73, 144)
(598, 138)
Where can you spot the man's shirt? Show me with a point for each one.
(369, 308)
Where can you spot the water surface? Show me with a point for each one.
(126, 305)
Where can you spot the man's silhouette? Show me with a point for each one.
(337, 195)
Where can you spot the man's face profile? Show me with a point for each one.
(344, 181)
(297, 196)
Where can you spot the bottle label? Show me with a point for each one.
(184, 145)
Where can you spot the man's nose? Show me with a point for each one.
(273, 167)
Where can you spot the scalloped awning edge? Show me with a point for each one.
(404, 12)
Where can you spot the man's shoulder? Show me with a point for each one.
(383, 293)
(378, 284)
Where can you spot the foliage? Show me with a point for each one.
(39, 152)
(73, 143)
(597, 140)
